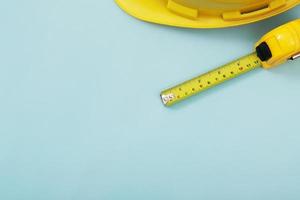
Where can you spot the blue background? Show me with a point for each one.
(81, 117)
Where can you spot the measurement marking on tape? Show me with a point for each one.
(210, 79)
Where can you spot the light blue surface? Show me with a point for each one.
(81, 116)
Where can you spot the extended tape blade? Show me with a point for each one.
(213, 78)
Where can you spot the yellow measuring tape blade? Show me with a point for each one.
(210, 79)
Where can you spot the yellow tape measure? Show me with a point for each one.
(273, 49)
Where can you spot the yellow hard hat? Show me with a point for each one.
(205, 13)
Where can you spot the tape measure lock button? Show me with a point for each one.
(263, 51)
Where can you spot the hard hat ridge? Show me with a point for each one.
(205, 13)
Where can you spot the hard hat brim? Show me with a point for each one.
(155, 11)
